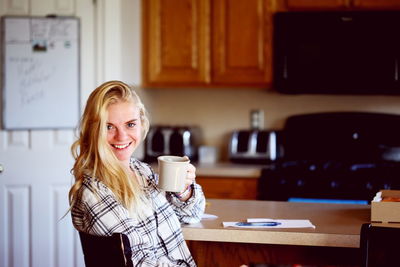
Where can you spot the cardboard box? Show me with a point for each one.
(385, 211)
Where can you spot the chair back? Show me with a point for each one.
(112, 250)
(379, 246)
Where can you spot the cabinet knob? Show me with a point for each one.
(1, 168)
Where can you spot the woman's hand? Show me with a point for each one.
(190, 179)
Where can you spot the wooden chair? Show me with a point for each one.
(112, 250)
(379, 246)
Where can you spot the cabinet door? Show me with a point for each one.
(375, 4)
(316, 5)
(229, 187)
(175, 42)
(241, 42)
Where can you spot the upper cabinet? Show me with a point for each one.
(176, 44)
(207, 43)
(241, 42)
(342, 4)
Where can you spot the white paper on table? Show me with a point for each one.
(378, 197)
(209, 216)
(281, 223)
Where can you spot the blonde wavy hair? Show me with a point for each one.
(93, 155)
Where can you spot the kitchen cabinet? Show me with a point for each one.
(207, 43)
(222, 187)
(241, 42)
(175, 42)
(293, 5)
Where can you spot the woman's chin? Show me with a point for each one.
(124, 155)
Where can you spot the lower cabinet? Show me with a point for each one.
(229, 187)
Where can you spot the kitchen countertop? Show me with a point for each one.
(225, 169)
(337, 225)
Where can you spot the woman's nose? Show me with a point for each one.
(121, 134)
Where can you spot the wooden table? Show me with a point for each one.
(334, 241)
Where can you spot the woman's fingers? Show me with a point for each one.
(191, 177)
(191, 172)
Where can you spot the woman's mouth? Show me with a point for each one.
(121, 146)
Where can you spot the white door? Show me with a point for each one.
(34, 185)
(35, 176)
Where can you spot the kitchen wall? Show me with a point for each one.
(220, 111)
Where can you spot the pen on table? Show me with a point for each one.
(258, 223)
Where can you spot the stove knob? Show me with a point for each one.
(334, 184)
(369, 186)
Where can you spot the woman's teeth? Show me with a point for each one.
(121, 146)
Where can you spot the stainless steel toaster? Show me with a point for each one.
(172, 140)
(254, 146)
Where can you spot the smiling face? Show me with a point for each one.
(124, 129)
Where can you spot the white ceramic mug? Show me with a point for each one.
(172, 172)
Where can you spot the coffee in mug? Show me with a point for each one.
(172, 172)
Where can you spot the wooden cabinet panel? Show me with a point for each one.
(218, 254)
(229, 188)
(241, 42)
(176, 42)
(316, 5)
(207, 43)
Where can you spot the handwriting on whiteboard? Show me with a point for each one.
(32, 74)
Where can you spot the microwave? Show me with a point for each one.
(337, 52)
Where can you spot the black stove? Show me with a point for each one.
(335, 157)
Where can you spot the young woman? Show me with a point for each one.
(116, 193)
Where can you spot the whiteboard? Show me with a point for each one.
(40, 72)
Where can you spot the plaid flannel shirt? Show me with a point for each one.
(156, 240)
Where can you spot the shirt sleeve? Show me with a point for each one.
(190, 211)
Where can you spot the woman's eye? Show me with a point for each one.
(109, 127)
(131, 124)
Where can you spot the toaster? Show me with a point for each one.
(255, 146)
(172, 140)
